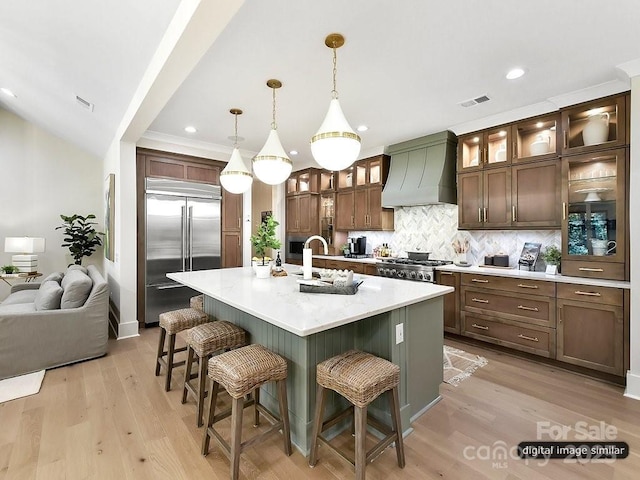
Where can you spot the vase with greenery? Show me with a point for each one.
(552, 257)
(9, 269)
(80, 236)
(265, 238)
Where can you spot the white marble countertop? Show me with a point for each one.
(278, 300)
(342, 258)
(515, 273)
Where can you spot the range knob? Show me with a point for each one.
(420, 277)
(427, 277)
(400, 274)
(412, 275)
(392, 273)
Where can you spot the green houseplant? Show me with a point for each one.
(9, 269)
(264, 239)
(80, 236)
(552, 257)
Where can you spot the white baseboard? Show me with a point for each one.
(633, 386)
(127, 330)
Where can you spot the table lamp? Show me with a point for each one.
(25, 247)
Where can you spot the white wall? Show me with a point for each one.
(44, 176)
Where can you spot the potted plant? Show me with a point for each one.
(9, 269)
(552, 256)
(80, 236)
(264, 239)
(346, 250)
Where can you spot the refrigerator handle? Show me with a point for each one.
(183, 237)
(190, 237)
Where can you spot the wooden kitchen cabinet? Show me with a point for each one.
(594, 125)
(368, 212)
(484, 199)
(594, 224)
(302, 214)
(591, 327)
(485, 149)
(451, 314)
(516, 313)
(231, 229)
(536, 194)
(304, 181)
(535, 139)
(168, 165)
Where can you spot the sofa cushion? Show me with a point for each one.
(55, 276)
(48, 296)
(77, 267)
(21, 296)
(17, 308)
(76, 286)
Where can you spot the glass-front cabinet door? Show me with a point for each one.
(535, 138)
(470, 151)
(594, 214)
(498, 147)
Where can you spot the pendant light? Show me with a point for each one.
(335, 146)
(236, 177)
(272, 165)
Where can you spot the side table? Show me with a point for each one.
(27, 277)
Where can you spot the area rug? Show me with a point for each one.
(22, 386)
(459, 365)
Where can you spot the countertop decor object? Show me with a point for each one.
(264, 239)
(552, 256)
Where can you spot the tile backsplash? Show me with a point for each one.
(433, 228)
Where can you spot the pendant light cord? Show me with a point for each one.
(273, 113)
(235, 131)
(334, 92)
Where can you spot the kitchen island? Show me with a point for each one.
(397, 320)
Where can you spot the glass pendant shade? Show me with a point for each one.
(335, 146)
(236, 177)
(272, 165)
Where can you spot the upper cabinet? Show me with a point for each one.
(594, 218)
(489, 148)
(535, 138)
(594, 125)
(304, 181)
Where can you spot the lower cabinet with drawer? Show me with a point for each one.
(591, 327)
(511, 312)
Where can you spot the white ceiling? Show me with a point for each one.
(403, 70)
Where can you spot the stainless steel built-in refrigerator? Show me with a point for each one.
(182, 234)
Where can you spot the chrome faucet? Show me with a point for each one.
(317, 237)
(307, 255)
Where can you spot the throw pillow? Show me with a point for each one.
(55, 276)
(48, 296)
(77, 287)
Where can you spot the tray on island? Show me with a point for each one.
(322, 287)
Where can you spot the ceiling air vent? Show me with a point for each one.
(475, 101)
(85, 104)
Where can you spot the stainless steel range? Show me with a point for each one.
(409, 269)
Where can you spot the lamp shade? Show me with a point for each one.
(335, 146)
(236, 177)
(272, 165)
(24, 244)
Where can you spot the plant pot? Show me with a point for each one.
(263, 271)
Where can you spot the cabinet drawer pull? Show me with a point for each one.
(481, 327)
(524, 285)
(588, 294)
(479, 300)
(564, 210)
(533, 339)
(239, 219)
(446, 273)
(479, 215)
(478, 280)
(530, 309)
(484, 214)
(566, 143)
(513, 213)
(514, 148)
(586, 269)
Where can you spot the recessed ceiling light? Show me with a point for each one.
(515, 73)
(293, 152)
(476, 139)
(362, 128)
(539, 125)
(502, 133)
(190, 129)
(8, 92)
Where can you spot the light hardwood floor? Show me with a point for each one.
(110, 418)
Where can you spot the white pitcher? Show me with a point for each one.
(597, 129)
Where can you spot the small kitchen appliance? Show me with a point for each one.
(357, 247)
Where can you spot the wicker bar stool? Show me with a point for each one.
(241, 372)
(197, 302)
(203, 341)
(360, 378)
(171, 323)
